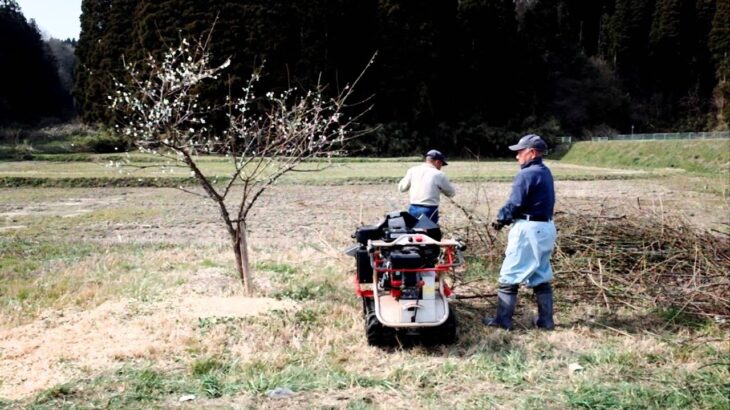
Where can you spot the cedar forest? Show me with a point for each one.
(466, 76)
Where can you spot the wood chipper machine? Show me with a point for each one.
(402, 264)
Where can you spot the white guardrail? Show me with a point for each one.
(660, 136)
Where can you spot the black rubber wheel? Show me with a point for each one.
(377, 334)
(445, 334)
(367, 306)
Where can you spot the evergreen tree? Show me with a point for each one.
(580, 92)
(63, 53)
(695, 103)
(449, 73)
(719, 44)
(351, 41)
(628, 40)
(106, 37)
(30, 89)
(415, 70)
(669, 57)
(585, 20)
(704, 72)
(489, 60)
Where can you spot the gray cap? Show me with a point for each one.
(437, 155)
(530, 141)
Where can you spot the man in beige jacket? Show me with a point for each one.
(425, 183)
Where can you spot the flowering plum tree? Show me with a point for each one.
(265, 136)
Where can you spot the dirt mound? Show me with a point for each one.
(61, 346)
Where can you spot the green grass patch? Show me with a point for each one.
(129, 387)
(206, 366)
(306, 291)
(260, 377)
(59, 393)
(212, 375)
(702, 390)
(608, 355)
(699, 156)
(300, 285)
(142, 171)
(478, 267)
(95, 182)
(41, 274)
(285, 270)
(117, 215)
(229, 323)
(22, 257)
(145, 387)
(677, 317)
(208, 263)
(511, 368)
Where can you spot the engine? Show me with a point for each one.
(405, 277)
(405, 267)
(402, 264)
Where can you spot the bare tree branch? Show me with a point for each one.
(267, 136)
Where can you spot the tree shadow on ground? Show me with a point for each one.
(656, 322)
(472, 335)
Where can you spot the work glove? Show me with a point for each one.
(504, 217)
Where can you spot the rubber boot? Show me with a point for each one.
(544, 296)
(506, 302)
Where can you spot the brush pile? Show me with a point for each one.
(643, 260)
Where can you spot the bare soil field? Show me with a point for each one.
(185, 305)
(291, 212)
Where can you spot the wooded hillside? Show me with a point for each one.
(449, 73)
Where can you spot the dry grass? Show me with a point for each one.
(141, 322)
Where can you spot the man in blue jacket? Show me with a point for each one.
(531, 239)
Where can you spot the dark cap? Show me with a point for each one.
(436, 155)
(530, 141)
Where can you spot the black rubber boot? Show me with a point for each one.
(544, 296)
(506, 302)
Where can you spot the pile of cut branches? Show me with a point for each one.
(642, 260)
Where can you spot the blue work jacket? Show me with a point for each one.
(533, 194)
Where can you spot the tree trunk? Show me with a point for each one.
(240, 248)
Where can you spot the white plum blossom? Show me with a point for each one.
(265, 138)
